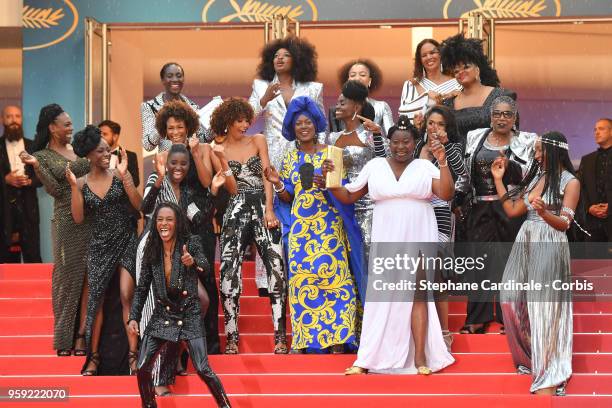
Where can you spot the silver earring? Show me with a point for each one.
(225, 131)
(441, 68)
(424, 73)
(354, 115)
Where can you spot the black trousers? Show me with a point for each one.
(29, 235)
(149, 350)
(210, 319)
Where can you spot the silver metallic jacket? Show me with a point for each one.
(384, 116)
(521, 147)
(274, 114)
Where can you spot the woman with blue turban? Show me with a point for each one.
(325, 260)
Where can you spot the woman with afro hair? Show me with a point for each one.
(288, 69)
(466, 60)
(104, 195)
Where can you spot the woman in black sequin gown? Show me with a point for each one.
(103, 195)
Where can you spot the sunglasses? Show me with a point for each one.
(506, 114)
(457, 70)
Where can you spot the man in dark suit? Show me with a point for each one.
(595, 173)
(19, 203)
(110, 132)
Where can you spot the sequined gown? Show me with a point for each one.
(69, 245)
(355, 158)
(322, 295)
(112, 243)
(539, 324)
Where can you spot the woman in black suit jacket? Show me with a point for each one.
(172, 258)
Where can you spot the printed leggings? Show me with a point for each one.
(244, 223)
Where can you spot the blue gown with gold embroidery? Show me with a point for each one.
(322, 294)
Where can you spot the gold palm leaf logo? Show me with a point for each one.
(33, 17)
(256, 11)
(508, 8)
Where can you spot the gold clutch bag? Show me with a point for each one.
(334, 178)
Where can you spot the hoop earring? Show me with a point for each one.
(354, 115)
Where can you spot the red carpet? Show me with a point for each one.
(483, 375)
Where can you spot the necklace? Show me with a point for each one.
(356, 130)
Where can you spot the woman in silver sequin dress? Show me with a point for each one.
(288, 68)
(369, 74)
(539, 324)
(358, 142)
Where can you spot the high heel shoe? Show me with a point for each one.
(448, 339)
(133, 361)
(79, 351)
(354, 370)
(280, 344)
(231, 347)
(95, 359)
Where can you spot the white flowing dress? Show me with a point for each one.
(402, 213)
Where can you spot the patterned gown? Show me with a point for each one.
(112, 243)
(69, 245)
(322, 295)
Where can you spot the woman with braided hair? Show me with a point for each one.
(52, 153)
(539, 324)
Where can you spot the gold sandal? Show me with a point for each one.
(424, 370)
(354, 370)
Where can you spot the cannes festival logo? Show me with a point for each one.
(225, 11)
(503, 8)
(47, 22)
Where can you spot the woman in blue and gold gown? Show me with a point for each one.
(324, 241)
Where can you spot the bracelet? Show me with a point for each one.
(279, 190)
(228, 173)
(443, 165)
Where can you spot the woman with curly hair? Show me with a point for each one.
(429, 77)
(288, 69)
(52, 153)
(368, 73)
(465, 58)
(103, 194)
(249, 215)
(172, 78)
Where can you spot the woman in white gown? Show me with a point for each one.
(401, 337)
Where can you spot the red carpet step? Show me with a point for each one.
(483, 375)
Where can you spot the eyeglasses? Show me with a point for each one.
(457, 70)
(506, 114)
